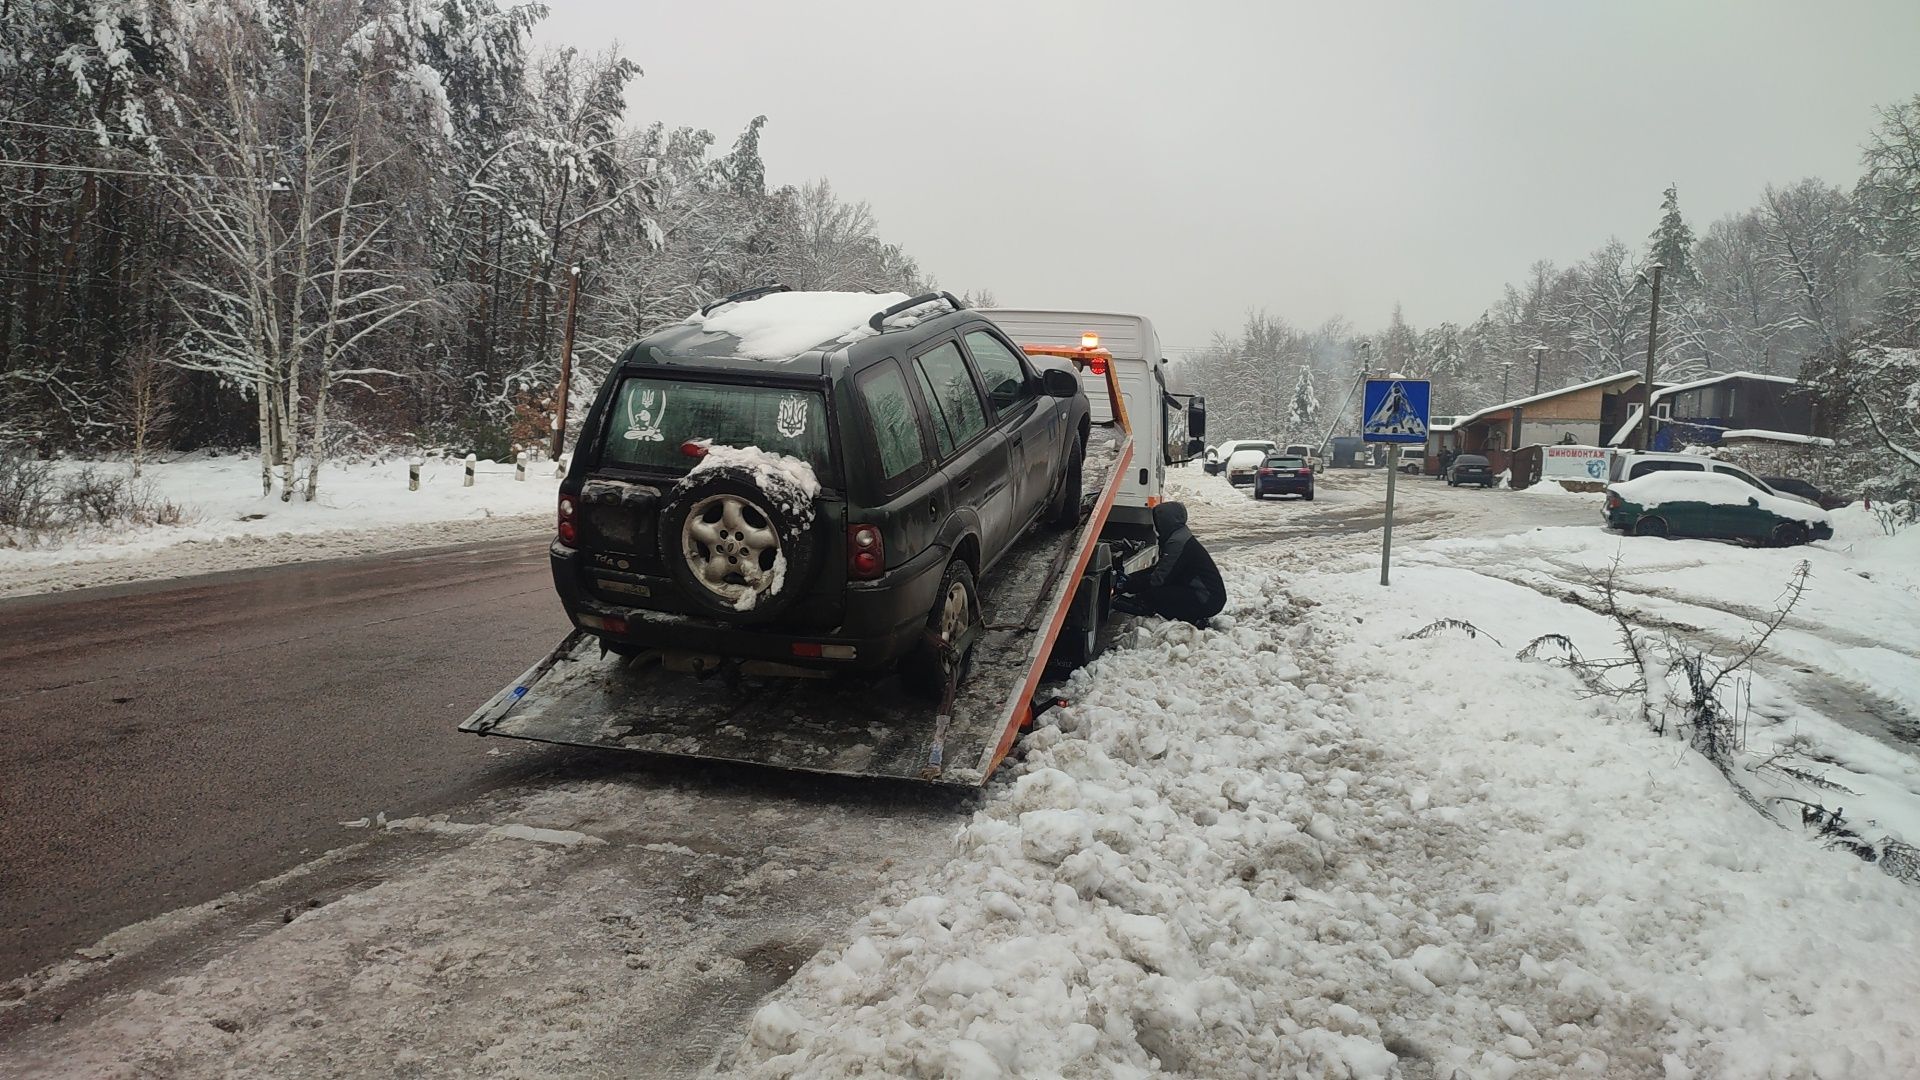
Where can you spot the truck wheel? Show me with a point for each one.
(1079, 641)
(956, 609)
(1065, 511)
(738, 546)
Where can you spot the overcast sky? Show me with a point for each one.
(1193, 160)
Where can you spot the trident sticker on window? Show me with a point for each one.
(792, 421)
(644, 411)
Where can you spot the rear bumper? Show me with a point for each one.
(1293, 486)
(883, 620)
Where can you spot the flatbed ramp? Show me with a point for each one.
(848, 725)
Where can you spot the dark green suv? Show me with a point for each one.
(792, 481)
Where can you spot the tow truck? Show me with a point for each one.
(1042, 608)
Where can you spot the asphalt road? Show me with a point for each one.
(166, 743)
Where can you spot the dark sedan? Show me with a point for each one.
(1470, 469)
(1788, 485)
(1281, 475)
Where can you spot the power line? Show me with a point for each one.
(59, 167)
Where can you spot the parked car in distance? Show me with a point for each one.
(1281, 474)
(1633, 465)
(1311, 454)
(1706, 505)
(1217, 456)
(1470, 469)
(777, 508)
(1412, 459)
(1243, 463)
(1787, 485)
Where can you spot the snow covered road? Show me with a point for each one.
(1297, 844)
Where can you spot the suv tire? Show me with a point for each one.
(1065, 511)
(724, 534)
(956, 608)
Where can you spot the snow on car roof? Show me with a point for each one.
(1714, 489)
(783, 325)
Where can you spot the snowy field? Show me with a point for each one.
(362, 508)
(1300, 843)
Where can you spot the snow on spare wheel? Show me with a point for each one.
(723, 560)
(1297, 844)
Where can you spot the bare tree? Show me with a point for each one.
(277, 194)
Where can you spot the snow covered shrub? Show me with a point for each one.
(27, 496)
(1895, 517)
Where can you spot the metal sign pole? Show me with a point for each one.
(1396, 410)
(1386, 535)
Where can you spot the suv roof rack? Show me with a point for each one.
(878, 322)
(744, 295)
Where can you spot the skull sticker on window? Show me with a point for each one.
(792, 421)
(644, 411)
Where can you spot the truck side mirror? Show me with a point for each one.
(1197, 417)
(1060, 384)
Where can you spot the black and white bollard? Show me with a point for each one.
(413, 475)
(520, 466)
(468, 482)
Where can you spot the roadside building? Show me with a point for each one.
(1581, 414)
(1703, 412)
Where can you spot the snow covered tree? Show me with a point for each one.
(1886, 205)
(1303, 412)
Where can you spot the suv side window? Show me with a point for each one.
(1742, 477)
(891, 421)
(1000, 369)
(951, 395)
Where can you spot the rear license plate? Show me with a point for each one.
(629, 588)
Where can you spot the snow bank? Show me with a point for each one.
(779, 326)
(362, 507)
(1714, 489)
(1281, 848)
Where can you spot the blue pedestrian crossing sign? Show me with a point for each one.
(1395, 411)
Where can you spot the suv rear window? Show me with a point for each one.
(1286, 463)
(651, 417)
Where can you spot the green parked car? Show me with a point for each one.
(1713, 506)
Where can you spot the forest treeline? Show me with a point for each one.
(313, 226)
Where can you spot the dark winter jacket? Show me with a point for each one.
(1184, 583)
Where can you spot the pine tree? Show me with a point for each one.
(1671, 244)
(1303, 414)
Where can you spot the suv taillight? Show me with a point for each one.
(1303, 472)
(568, 534)
(1266, 472)
(866, 552)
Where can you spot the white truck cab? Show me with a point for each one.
(1167, 425)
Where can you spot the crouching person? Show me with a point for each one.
(1184, 584)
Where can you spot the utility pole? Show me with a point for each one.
(1358, 382)
(1506, 378)
(1539, 361)
(1653, 338)
(566, 365)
